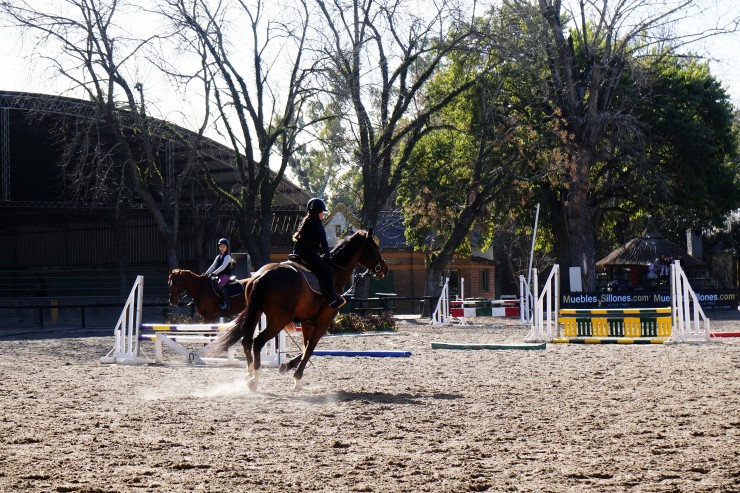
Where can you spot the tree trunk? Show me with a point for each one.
(432, 287)
(123, 249)
(579, 217)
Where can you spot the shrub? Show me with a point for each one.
(180, 318)
(351, 322)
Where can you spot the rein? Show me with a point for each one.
(359, 278)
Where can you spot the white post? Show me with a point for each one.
(685, 327)
(126, 331)
(534, 238)
(525, 301)
(441, 315)
(541, 327)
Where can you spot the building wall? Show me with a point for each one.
(409, 274)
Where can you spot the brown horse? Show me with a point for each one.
(201, 290)
(283, 295)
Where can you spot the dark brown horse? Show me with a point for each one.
(283, 295)
(201, 290)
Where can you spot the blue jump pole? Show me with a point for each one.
(369, 354)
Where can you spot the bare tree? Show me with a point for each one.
(254, 56)
(590, 44)
(380, 56)
(118, 149)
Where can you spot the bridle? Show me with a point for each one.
(181, 293)
(375, 271)
(378, 261)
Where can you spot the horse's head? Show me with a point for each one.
(370, 257)
(177, 288)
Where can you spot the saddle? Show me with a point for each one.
(232, 288)
(296, 263)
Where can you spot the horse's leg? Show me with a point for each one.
(247, 345)
(248, 341)
(311, 343)
(306, 331)
(273, 329)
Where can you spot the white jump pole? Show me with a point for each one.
(462, 300)
(525, 301)
(531, 251)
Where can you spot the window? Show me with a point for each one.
(454, 285)
(484, 281)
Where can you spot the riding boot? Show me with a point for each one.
(224, 299)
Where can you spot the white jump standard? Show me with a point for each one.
(130, 332)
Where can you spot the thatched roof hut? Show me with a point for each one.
(645, 249)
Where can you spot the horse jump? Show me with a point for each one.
(129, 332)
(683, 321)
(447, 310)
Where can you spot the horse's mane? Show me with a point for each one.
(343, 246)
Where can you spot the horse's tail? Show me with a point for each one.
(244, 323)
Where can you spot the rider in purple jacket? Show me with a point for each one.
(221, 267)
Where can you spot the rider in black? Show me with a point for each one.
(311, 246)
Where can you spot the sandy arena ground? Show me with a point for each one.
(570, 418)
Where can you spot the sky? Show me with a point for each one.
(21, 73)
(723, 51)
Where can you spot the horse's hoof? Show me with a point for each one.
(297, 385)
(254, 380)
(284, 368)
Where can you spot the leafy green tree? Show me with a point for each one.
(639, 162)
(679, 170)
(481, 157)
(689, 127)
(318, 165)
(589, 49)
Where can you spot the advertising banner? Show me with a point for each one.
(723, 299)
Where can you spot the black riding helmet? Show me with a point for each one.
(224, 241)
(316, 205)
